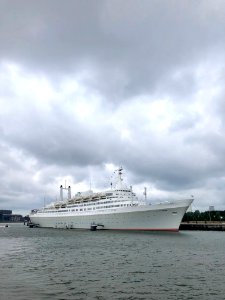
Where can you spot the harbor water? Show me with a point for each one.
(39, 263)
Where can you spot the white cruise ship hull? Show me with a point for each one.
(158, 217)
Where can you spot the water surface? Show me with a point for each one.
(38, 263)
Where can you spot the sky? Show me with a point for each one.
(88, 86)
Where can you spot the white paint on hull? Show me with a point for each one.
(165, 216)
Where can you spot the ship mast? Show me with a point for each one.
(145, 193)
(120, 178)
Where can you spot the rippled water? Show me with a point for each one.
(39, 263)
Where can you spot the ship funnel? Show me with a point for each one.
(69, 192)
(61, 192)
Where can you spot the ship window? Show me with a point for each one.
(174, 212)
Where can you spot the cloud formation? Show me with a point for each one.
(87, 85)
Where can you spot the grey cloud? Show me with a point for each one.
(58, 137)
(186, 122)
(133, 47)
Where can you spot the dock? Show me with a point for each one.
(203, 225)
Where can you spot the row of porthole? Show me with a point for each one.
(81, 209)
(97, 203)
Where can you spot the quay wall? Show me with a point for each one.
(203, 225)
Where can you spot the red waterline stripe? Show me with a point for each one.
(147, 229)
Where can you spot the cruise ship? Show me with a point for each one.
(117, 208)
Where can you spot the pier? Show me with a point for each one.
(203, 225)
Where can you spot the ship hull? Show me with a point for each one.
(160, 217)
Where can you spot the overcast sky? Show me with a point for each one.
(87, 86)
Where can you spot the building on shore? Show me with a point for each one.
(211, 208)
(7, 216)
